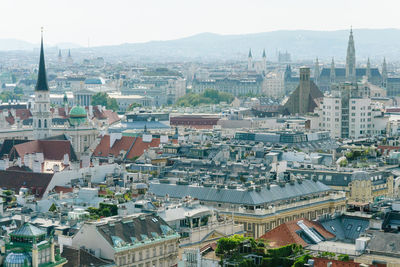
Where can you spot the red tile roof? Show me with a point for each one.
(51, 149)
(322, 262)
(36, 182)
(133, 146)
(139, 147)
(63, 189)
(285, 233)
(103, 149)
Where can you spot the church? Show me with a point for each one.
(41, 121)
(350, 73)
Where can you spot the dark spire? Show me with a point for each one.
(263, 55)
(59, 53)
(69, 52)
(250, 53)
(41, 84)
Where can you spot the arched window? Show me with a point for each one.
(39, 124)
(45, 123)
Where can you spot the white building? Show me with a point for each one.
(274, 85)
(349, 112)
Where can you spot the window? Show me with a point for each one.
(328, 178)
(349, 227)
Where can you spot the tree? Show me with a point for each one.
(133, 106)
(100, 99)
(112, 104)
(103, 99)
(53, 208)
(343, 257)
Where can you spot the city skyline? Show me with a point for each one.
(97, 23)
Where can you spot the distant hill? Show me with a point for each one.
(14, 44)
(302, 44)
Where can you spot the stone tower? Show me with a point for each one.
(250, 61)
(351, 60)
(304, 90)
(41, 113)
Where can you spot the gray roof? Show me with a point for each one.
(131, 230)
(360, 175)
(385, 243)
(240, 196)
(346, 228)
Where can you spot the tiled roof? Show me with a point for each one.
(8, 144)
(103, 149)
(51, 149)
(236, 196)
(36, 182)
(139, 147)
(133, 146)
(63, 189)
(286, 233)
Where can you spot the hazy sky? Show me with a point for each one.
(125, 21)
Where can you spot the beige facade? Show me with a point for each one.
(160, 254)
(257, 222)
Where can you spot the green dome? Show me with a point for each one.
(77, 112)
(77, 116)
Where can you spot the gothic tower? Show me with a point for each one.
(384, 73)
(368, 71)
(59, 56)
(249, 61)
(264, 60)
(316, 72)
(41, 111)
(333, 72)
(351, 60)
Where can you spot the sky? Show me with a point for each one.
(109, 22)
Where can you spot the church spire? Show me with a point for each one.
(333, 71)
(41, 84)
(368, 71)
(384, 73)
(351, 59)
(316, 72)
